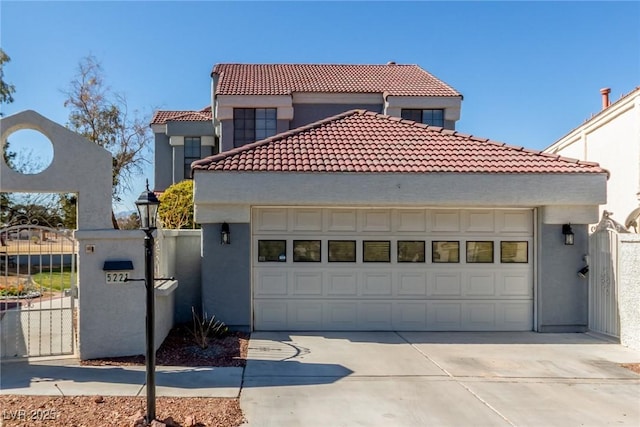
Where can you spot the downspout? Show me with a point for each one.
(385, 102)
(214, 84)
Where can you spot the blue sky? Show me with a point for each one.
(529, 71)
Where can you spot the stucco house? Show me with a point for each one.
(612, 138)
(341, 197)
(181, 137)
(250, 102)
(366, 221)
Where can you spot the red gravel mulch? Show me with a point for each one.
(180, 349)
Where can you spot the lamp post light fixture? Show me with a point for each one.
(147, 205)
(568, 234)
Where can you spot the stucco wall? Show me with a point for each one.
(629, 289)
(178, 163)
(112, 317)
(169, 159)
(226, 275)
(303, 114)
(366, 189)
(181, 258)
(611, 138)
(562, 299)
(163, 159)
(89, 177)
(179, 128)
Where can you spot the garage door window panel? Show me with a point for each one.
(479, 252)
(307, 251)
(514, 252)
(272, 250)
(342, 250)
(445, 251)
(411, 251)
(376, 251)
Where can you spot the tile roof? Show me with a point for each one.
(362, 141)
(284, 79)
(162, 116)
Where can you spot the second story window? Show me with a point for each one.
(253, 124)
(428, 117)
(192, 152)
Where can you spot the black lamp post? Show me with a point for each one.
(147, 205)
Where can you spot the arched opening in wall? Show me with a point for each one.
(27, 151)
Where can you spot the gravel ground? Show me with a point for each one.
(92, 411)
(178, 349)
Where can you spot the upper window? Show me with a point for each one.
(192, 152)
(253, 124)
(428, 117)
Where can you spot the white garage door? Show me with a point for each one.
(392, 269)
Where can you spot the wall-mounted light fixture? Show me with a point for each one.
(568, 234)
(225, 234)
(582, 273)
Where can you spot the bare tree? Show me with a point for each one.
(103, 117)
(6, 92)
(6, 89)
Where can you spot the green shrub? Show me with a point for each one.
(176, 206)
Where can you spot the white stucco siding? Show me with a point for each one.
(612, 139)
(615, 145)
(455, 190)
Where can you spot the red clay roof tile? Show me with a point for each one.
(163, 116)
(361, 141)
(284, 79)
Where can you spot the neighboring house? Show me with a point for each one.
(611, 138)
(181, 137)
(255, 101)
(364, 221)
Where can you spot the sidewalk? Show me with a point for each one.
(67, 377)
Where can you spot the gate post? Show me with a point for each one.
(629, 289)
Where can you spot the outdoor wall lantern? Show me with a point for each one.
(568, 234)
(147, 205)
(225, 234)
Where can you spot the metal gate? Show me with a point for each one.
(38, 291)
(603, 284)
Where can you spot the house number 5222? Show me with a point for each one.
(117, 277)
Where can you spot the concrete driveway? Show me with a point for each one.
(438, 379)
